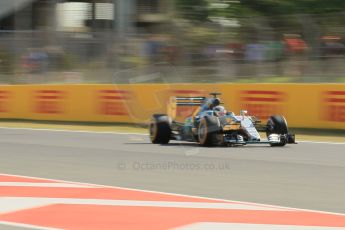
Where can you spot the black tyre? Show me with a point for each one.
(277, 125)
(209, 127)
(160, 130)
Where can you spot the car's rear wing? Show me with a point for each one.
(189, 101)
(182, 107)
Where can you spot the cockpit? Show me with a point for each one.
(219, 111)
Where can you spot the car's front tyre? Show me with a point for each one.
(207, 131)
(159, 129)
(277, 125)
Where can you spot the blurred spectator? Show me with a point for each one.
(170, 54)
(254, 52)
(296, 49)
(254, 56)
(295, 44)
(236, 50)
(153, 48)
(332, 46)
(35, 61)
(274, 51)
(236, 55)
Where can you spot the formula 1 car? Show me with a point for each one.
(211, 124)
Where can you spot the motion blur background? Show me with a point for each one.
(117, 41)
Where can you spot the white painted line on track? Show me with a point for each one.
(8, 204)
(322, 142)
(74, 131)
(13, 204)
(183, 195)
(26, 226)
(230, 226)
(138, 134)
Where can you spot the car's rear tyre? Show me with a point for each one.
(277, 125)
(209, 127)
(160, 130)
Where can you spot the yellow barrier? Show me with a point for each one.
(304, 105)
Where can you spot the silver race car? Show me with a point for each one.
(211, 124)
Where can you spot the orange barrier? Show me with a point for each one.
(304, 105)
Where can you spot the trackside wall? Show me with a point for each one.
(304, 105)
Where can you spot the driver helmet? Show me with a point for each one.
(219, 110)
(215, 103)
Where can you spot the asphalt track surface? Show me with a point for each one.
(307, 175)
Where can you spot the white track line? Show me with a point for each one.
(139, 134)
(183, 195)
(14, 204)
(73, 131)
(322, 142)
(231, 226)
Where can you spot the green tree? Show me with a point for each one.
(195, 10)
(283, 7)
(199, 10)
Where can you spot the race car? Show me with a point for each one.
(211, 124)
